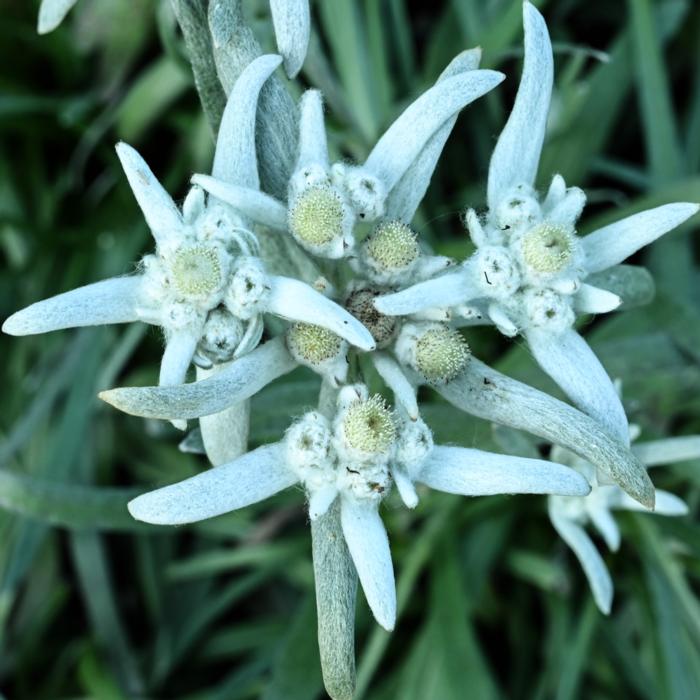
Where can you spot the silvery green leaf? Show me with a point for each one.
(240, 380)
(235, 160)
(488, 394)
(603, 521)
(594, 300)
(517, 154)
(235, 47)
(392, 374)
(403, 141)
(115, 300)
(224, 434)
(52, 13)
(251, 203)
(296, 301)
(253, 477)
(568, 359)
(407, 194)
(368, 544)
(668, 450)
(632, 284)
(336, 590)
(614, 243)
(472, 472)
(313, 147)
(192, 18)
(292, 22)
(159, 210)
(450, 289)
(593, 566)
(179, 349)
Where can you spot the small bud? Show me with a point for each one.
(180, 316)
(196, 271)
(222, 334)
(496, 272)
(308, 450)
(360, 303)
(547, 248)
(319, 349)
(365, 192)
(544, 308)
(414, 445)
(517, 209)
(365, 430)
(321, 222)
(390, 252)
(434, 350)
(248, 289)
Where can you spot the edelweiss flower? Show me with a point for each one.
(570, 514)
(205, 285)
(528, 274)
(355, 456)
(290, 18)
(412, 349)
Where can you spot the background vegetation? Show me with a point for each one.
(491, 602)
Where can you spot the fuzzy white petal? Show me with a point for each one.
(52, 13)
(179, 349)
(292, 22)
(517, 154)
(239, 381)
(408, 192)
(115, 300)
(569, 361)
(668, 450)
(594, 300)
(666, 504)
(251, 478)
(471, 472)
(614, 243)
(405, 487)
(593, 565)
(234, 159)
(604, 522)
(369, 548)
(569, 209)
(392, 374)
(405, 138)
(313, 148)
(447, 290)
(321, 500)
(296, 301)
(252, 203)
(159, 210)
(491, 395)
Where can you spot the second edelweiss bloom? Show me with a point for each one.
(531, 273)
(355, 455)
(205, 284)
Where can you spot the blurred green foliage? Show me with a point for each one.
(492, 604)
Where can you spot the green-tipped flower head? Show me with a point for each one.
(547, 248)
(390, 251)
(313, 344)
(434, 350)
(319, 220)
(196, 270)
(368, 426)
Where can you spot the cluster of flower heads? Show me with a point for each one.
(388, 298)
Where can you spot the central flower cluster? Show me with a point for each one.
(356, 453)
(529, 263)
